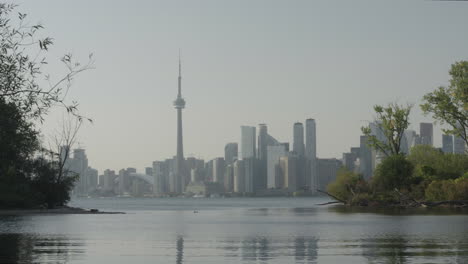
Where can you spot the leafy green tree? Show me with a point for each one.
(432, 164)
(25, 179)
(392, 121)
(347, 185)
(450, 104)
(394, 172)
(22, 57)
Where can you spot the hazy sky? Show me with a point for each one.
(245, 63)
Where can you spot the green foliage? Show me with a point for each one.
(347, 184)
(394, 172)
(450, 104)
(25, 180)
(392, 120)
(444, 190)
(19, 70)
(432, 164)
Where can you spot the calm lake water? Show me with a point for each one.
(234, 230)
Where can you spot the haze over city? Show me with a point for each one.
(245, 63)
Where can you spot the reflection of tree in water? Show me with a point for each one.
(263, 249)
(27, 248)
(397, 250)
(180, 250)
(385, 250)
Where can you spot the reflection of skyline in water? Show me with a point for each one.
(31, 248)
(274, 233)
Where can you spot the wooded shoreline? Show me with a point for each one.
(55, 211)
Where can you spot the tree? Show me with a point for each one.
(392, 122)
(22, 57)
(449, 105)
(26, 178)
(394, 172)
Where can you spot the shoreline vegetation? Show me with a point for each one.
(410, 174)
(55, 211)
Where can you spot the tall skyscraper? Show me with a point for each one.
(458, 145)
(311, 139)
(218, 170)
(447, 143)
(230, 152)
(426, 133)
(274, 155)
(311, 176)
(179, 104)
(298, 139)
(248, 142)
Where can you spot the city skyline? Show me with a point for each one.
(246, 64)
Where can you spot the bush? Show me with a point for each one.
(346, 183)
(432, 164)
(447, 190)
(393, 172)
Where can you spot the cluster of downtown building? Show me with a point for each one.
(258, 165)
(364, 159)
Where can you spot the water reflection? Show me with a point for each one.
(265, 250)
(29, 248)
(180, 250)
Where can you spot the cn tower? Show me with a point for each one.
(179, 104)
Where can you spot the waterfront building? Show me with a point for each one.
(327, 171)
(426, 133)
(250, 171)
(298, 139)
(239, 176)
(447, 143)
(229, 178)
(218, 170)
(230, 153)
(274, 154)
(92, 175)
(109, 180)
(78, 165)
(161, 175)
(311, 155)
(459, 146)
(248, 142)
(288, 166)
(366, 158)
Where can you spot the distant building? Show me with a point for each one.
(230, 153)
(265, 140)
(311, 154)
(366, 158)
(459, 145)
(250, 171)
(327, 171)
(408, 141)
(161, 177)
(426, 133)
(298, 139)
(349, 161)
(92, 175)
(239, 176)
(274, 154)
(79, 165)
(149, 171)
(288, 166)
(447, 143)
(109, 180)
(218, 170)
(229, 178)
(248, 142)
